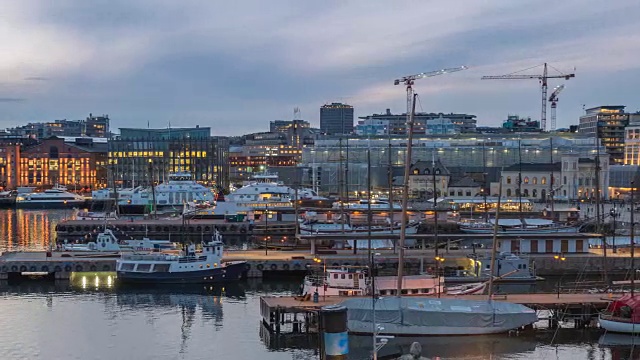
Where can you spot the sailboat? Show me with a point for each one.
(623, 314)
(417, 315)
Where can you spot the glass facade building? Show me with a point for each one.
(140, 156)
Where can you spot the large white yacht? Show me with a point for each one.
(261, 192)
(179, 190)
(57, 197)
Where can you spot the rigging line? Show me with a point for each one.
(551, 66)
(420, 103)
(523, 70)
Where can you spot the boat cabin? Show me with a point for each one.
(544, 246)
(351, 281)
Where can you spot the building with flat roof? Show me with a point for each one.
(397, 123)
(607, 124)
(92, 126)
(336, 118)
(168, 151)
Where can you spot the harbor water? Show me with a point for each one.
(93, 317)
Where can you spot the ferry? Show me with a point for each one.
(57, 197)
(516, 226)
(189, 267)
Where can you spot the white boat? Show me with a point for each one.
(264, 190)
(429, 316)
(622, 315)
(363, 204)
(188, 268)
(509, 268)
(178, 190)
(57, 197)
(107, 241)
(310, 227)
(516, 226)
(92, 215)
(353, 281)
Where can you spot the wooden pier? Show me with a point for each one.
(291, 314)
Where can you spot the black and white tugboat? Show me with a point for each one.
(190, 267)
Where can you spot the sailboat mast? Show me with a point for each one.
(494, 246)
(405, 194)
(484, 182)
(435, 217)
(390, 170)
(341, 187)
(633, 247)
(369, 215)
(551, 179)
(520, 179)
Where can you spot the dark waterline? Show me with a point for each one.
(87, 318)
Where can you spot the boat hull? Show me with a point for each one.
(472, 279)
(408, 230)
(519, 231)
(49, 205)
(612, 325)
(409, 316)
(230, 272)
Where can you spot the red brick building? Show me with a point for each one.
(78, 163)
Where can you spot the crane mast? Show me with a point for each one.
(553, 99)
(544, 77)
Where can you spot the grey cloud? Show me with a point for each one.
(245, 63)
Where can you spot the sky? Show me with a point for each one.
(236, 65)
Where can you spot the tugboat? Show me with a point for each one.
(187, 268)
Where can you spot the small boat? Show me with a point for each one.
(91, 215)
(622, 315)
(509, 268)
(106, 241)
(187, 268)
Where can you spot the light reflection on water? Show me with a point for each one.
(91, 317)
(23, 230)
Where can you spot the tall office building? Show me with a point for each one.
(610, 122)
(336, 119)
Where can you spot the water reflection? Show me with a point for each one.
(622, 346)
(22, 230)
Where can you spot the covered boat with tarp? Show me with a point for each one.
(622, 315)
(406, 316)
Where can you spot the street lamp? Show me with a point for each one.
(324, 277)
(614, 214)
(560, 258)
(439, 259)
(266, 229)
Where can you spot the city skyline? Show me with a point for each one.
(161, 63)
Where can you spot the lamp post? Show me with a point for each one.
(439, 259)
(266, 229)
(614, 213)
(324, 277)
(559, 258)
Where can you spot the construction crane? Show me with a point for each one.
(543, 81)
(553, 99)
(410, 79)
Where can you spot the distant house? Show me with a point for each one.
(421, 179)
(464, 187)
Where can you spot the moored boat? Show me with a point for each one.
(188, 267)
(106, 241)
(419, 316)
(622, 315)
(57, 197)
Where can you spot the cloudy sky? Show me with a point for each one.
(236, 65)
